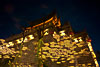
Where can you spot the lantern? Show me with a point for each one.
(89, 40)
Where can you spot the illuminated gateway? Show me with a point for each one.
(48, 44)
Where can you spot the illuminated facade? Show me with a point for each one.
(47, 43)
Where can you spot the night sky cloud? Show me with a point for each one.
(9, 8)
(44, 6)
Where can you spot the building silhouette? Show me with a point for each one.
(47, 43)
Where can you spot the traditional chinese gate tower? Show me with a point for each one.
(49, 43)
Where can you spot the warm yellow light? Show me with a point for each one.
(13, 56)
(2, 40)
(94, 56)
(89, 63)
(8, 45)
(45, 48)
(52, 43)
(52, 60)
(58, 62)
(56, 36)
(63, 61)
(59, 23)
(19, 56)
(44, 52)
(72, 61)
(47, 44)
(46, 33)
(46, 30)
(6, 56)
(25, 40)
(83, 65)
(11, 43)
(30, 66)
(72, 66)
(75, 53)
(16, 63)
(72, 56)
(0, 56)
(80, 38)
(18, 41)
(68, 58)
(31, 37)
(55, 32)
(90, 47)
(41, 23)
(97, 65)
(43, 56)
(76, 40)
(24, 48)
(62, 58)
(62, 33)
(49, 20)
(17, 51)
(79, 45)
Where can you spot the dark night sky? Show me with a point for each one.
(82, 14)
